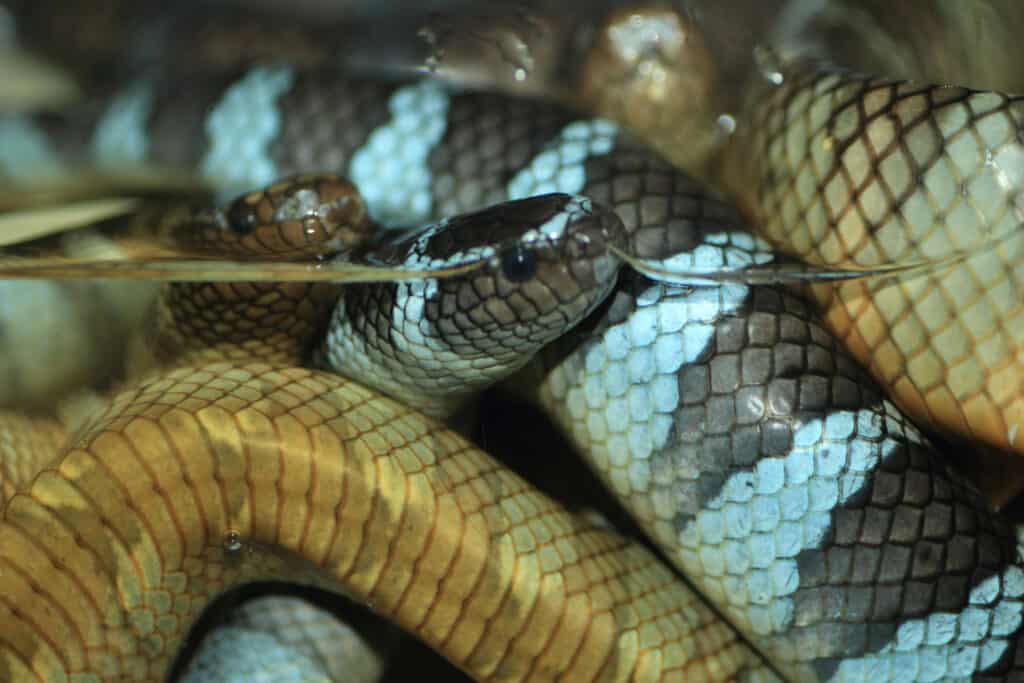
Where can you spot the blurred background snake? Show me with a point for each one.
(820, 528)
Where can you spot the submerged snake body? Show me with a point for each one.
(731, 424)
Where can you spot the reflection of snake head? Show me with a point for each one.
(543, 266)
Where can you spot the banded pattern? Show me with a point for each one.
(764, 463)
(242, 132)
(489, 148)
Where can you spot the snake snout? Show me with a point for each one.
(591, 231)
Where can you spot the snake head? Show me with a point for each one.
(540, 265)
(544, 264)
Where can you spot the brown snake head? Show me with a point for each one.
(543, 265)
(301, 217)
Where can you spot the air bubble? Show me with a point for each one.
(515, 52)
(233, 542)
(723, 128)
(726, 124)
(769, 64)
(432, 63)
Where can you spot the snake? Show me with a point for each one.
(733, 422)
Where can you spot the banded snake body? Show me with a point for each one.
(763, 461)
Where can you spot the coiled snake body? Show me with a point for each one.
(759, 456)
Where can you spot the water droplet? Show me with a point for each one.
(431, 65)
(720, 129)
(432, 62)
(769, 63)
(428, 35)
(726, 124)
(233, 542)
(516, 52)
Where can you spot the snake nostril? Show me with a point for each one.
(518, 263)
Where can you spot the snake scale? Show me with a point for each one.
(734, 422)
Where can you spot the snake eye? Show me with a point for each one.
(518, 263)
